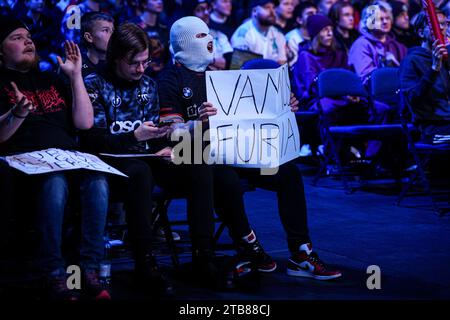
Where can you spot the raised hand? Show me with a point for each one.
(438, 51)
(72, 66)
(23, 106)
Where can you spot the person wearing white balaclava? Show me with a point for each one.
(182, 99)
(191, 44)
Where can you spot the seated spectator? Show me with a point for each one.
(189, 71)
(37, 113)
(401, 28)
(424, 77)
(375, 48)
(221, 45)
(300, 34)
(182, 94)
(221, 17)
(284, 13)
(324, 6)
(342, 16)
(321, 56)
(259, 34)
(96, 29)
(156, 30)
(126, 113)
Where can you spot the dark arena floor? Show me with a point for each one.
(409, 243)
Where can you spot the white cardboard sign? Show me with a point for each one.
(51, 160)
(254, 126)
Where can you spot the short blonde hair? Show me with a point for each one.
(369, 11)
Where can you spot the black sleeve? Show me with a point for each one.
(98, 140)
(228, 57)
(414, 82)
(169, 100)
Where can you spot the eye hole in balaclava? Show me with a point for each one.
(191, 43)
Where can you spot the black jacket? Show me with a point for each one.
(426, 90)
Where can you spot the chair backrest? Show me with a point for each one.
(260, 64)
(384, 85)
(339, 82)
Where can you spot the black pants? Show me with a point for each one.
(204, 187)
(192, 182)
(195, 183)
(6, 203)
(136, 193)
(228, 201)
(288, 185)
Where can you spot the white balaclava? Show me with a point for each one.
(187, 49)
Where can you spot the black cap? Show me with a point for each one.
(255, 3)
(8, 25)
(188, 6)
(398, 7)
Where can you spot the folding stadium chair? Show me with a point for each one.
(422, 152)
(339, 83)
(163, 200)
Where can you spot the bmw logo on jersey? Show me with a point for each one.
(187, 93)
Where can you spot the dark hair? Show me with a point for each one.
(88, 20)
(298, 11)
(314, 46)
(126, 41)
(335, 11)
(419, 21)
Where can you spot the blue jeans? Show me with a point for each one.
(51, 204)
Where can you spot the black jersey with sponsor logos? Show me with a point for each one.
(120, 107)
(88, 67)
(50, 125)
(181, 92)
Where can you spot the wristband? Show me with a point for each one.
(16, 115)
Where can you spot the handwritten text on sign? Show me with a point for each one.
(51, 160)
(254, 126)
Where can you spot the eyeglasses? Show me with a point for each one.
(136, 64)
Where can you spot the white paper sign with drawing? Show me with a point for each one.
(254, 126)
(51, 160)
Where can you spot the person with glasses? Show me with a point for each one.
(126, 114)
(126, 110)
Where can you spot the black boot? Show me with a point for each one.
(210, 272)
(149, 278)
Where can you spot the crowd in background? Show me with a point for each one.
(136, 69)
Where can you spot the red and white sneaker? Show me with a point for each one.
(307, 263)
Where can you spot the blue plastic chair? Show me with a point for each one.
(383, 85)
